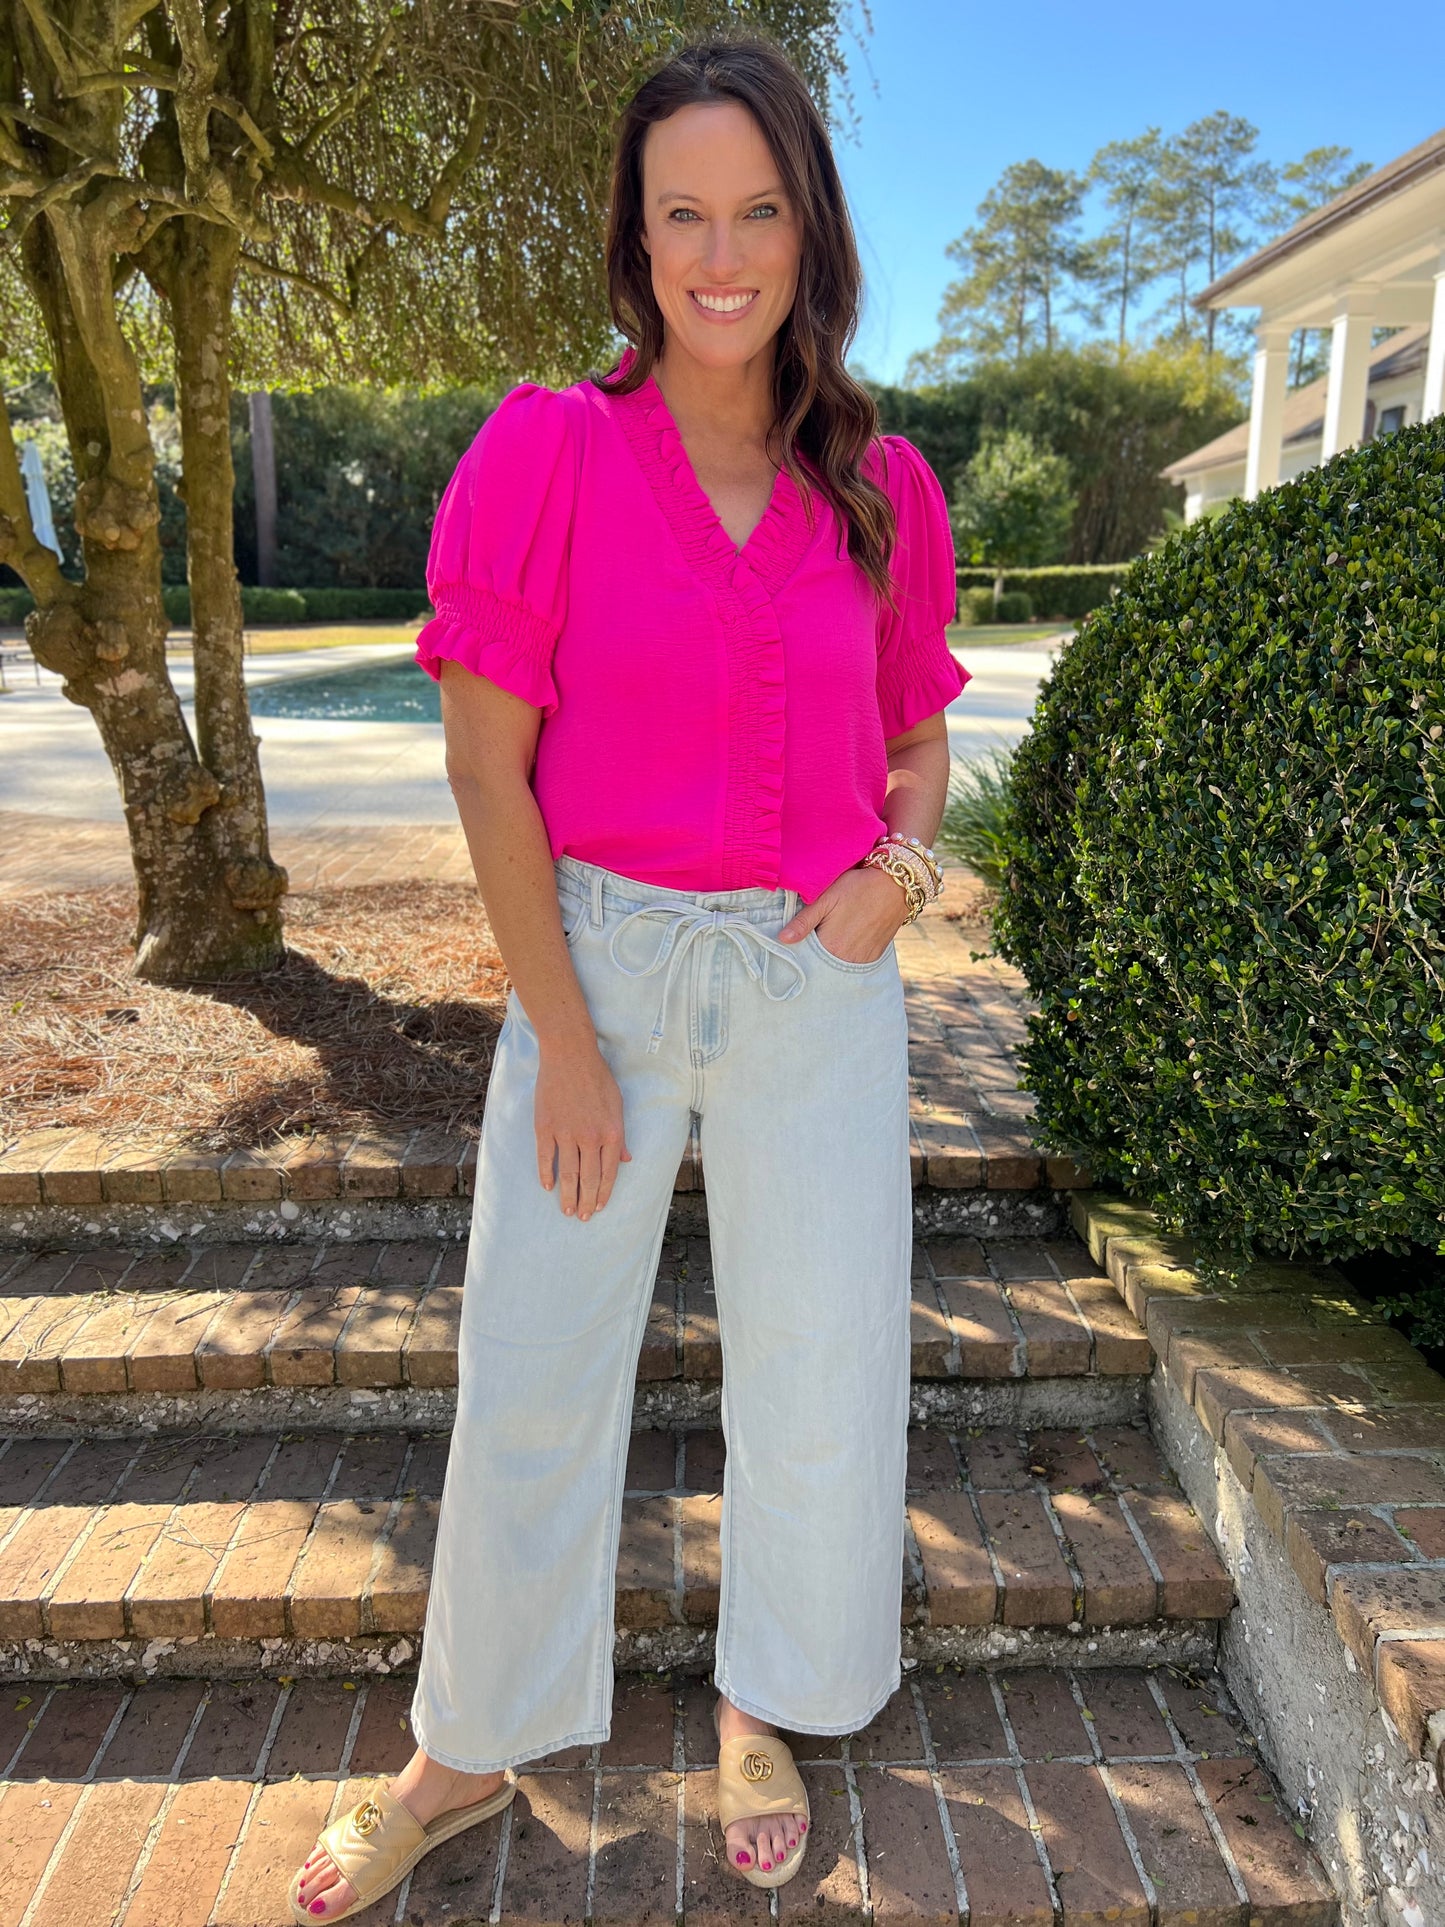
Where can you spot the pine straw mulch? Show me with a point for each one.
(384, 1014)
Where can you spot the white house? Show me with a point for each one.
(1372, 258)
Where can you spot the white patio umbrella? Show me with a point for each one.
(38, 496)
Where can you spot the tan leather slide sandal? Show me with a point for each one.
(756, 1777)
(376, 1844)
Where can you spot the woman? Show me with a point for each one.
(690, 641)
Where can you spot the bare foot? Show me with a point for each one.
(769, 1839)
(425, 1789)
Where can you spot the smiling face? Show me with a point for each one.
(725, 242)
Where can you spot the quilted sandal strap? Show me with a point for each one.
(755, 1777)
(370, 1842)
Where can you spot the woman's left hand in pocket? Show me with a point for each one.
(856, 917)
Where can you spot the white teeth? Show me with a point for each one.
(722, 304)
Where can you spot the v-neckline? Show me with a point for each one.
(780, 475)
(776, 543)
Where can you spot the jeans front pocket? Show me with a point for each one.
(576, 908)
(843, 963)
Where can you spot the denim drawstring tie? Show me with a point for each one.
(681, 927)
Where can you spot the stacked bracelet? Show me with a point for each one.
(912, 865)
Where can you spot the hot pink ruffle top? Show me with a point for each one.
(713, 718)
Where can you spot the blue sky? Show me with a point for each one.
(962, 90)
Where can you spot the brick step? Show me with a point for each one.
(312, 1551)
(1042, 1799)
(260, 1337)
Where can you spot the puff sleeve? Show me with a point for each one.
(917, 673)
(497, 568)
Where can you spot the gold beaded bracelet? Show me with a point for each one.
(881, 857)
(914, 846)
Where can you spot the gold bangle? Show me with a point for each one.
(902, 874)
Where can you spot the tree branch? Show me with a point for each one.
(164, 83)
(195, 88)
(37, 566)
(354, 95)
(293, 178)
(56, 130)
(439, 202)
(44, 29)
(318, 288)
(62, 188)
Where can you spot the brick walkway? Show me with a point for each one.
(1029, 1800)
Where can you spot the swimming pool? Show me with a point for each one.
(383, 692)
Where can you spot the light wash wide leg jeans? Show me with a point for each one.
(796, 1064)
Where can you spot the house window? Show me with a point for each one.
(1391, 419)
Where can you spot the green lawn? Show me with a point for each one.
(992, 634)
(275, 640)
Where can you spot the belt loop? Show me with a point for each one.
(790, 905)
(598, 918)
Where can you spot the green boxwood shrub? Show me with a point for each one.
(1015, 605)
(1226, 875)
(975, 607)
(1069, 592)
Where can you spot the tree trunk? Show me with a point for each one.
(207, 893)
(263, 475)
(195, 261)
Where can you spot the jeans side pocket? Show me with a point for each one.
(844, 963)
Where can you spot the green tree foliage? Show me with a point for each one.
(1117, 262)
(1153, 216)
(1012, 505)
(274, 194)
(1115, 422)
(1017, 262)
(1204, 208)
(358, 472)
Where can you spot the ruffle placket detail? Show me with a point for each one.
(744, 585)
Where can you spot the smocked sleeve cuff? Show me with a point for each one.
(507, 643)
(920, 677)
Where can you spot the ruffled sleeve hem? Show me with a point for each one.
(919, 677)
(504, 641)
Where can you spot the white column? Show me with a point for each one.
(1266, 408)
(1435, 364)
(1349, 370)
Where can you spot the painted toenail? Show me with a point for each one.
(318, 1906)
(744, 1859)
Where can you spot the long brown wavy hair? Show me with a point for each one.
(819, 410)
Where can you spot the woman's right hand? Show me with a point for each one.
(577, 1111)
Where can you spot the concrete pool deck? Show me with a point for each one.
(322, 775)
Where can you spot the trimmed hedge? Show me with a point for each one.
(1015, 605)
(262, 606)
(975, 607)
(1226, 879)
(1056, 592)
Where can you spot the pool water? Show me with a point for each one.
(385, 692)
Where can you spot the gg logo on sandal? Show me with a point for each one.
(367, 1818)
(756, 1766)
